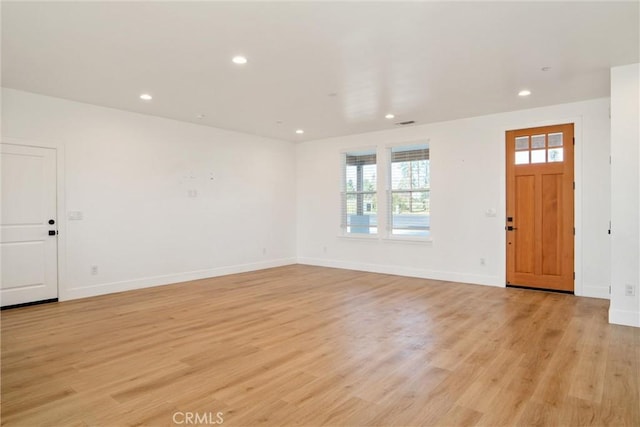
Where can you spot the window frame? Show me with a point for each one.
(390, 191)
(360, 151)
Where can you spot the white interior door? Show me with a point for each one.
(27, 250)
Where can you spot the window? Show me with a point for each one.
(531, 150)
(359, 201)
(409, 212)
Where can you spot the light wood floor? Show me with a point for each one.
(304, 345)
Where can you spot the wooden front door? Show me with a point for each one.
(540, 204)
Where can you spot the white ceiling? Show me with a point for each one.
(422, 61)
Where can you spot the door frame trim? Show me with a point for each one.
(60, 204)
(578, 287)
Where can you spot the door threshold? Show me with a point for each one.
(27, 304)
(557, 291)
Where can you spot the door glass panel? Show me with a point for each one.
(522, 143)
(555, 154)
(538, 156)
(555, 140)
(537, 141)
(522, 157)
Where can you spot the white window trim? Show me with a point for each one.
(420, 240)
(389, 236)
(360, 236)
(343, 229)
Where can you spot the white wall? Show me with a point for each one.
(129, 174)
(625, 197)
(468, 178)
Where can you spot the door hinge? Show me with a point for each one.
(574, 231)
(574, 275)
(574, 140)
(574, 185)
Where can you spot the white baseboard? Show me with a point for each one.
(148, 282)
(617, 317)
(405, 271)
(624, 317)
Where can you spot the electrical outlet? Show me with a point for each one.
(94, 270)
(324, 249)
(482, 261)
(629, 290)
(264, 251)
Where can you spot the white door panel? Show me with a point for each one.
(23, 188)
(28, 253)
(22, 264)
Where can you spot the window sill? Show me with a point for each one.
(408, 239)
(357, 236)
(390, 239)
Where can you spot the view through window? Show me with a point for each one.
(409, 191)
(359, 197)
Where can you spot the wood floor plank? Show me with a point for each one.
(312, 346)
(588, 381)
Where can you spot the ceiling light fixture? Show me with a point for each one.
(146, 97)
(545, 68)
(389, 116)
(524, 92)
(239, 60)
(299, 131)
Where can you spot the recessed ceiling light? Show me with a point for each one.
(299, 131)
(389, 116)
(200, 116)
(239, 59)
(524, 92)
(146, 97)
(545, 68)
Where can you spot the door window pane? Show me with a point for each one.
(537, 141)
(522, 157)
(555, 140)
(538, 156)
(522, 143)
(556, 154)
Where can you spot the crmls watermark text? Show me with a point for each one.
(198, 418)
